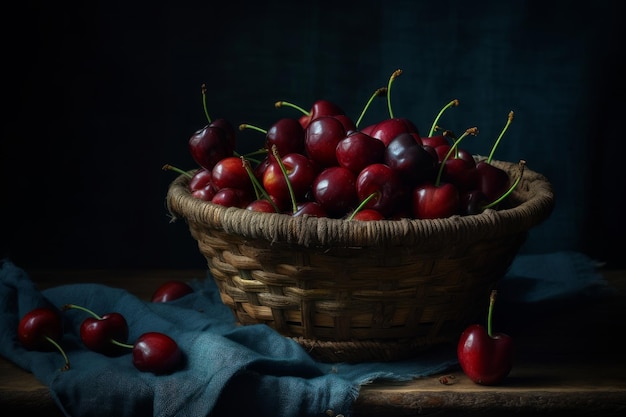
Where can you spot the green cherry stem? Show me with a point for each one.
(258, 188)
(379, 92)
(492, 301)
(60, 349)
(495, 145)
(453, 149)
(522, 165)
(294, 204)
(206, 112)
(168, 167)
(245, 126)
(454, 102)
(280, 104)
(361, 205)
(260, 151)
(124, 345)
(251, 155)
(85, 309)
(394, 75)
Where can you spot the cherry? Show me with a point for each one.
(41, 329)
(439, 199)
(319, 108)
(388, 129)
(262, 205)
(207, 193)
(335, 190)
(457, 153)
(230, 172)
(432, 201)
(200, 180)
(348, 124)
(475, 202)
(99, 333)
(492, 181)
(321, 139)
(460, 170)
(287, 134)
(485, 357)
(358, 150)
(211, 143)
(435, 141)
(289, 178)
(310, 208)
(199, 183)
(214, 141)
(368, 214)
(384, 185)
(171, 290)
(410, 160)
(232, 197)
(155, 352)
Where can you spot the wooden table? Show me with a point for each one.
(569, 362)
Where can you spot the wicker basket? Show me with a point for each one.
(353, 291)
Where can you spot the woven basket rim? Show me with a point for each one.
(534, 202)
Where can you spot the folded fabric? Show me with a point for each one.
(228, 369)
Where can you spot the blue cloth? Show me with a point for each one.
(228, 369)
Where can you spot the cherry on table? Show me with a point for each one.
(157, 353)
(486, 357)
(41, 329)
(102, 334)
(172, 289)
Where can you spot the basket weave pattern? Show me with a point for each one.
(357, 291)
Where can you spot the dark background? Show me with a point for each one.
(98, 97)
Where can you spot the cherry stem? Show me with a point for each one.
(258, 188)
(362, 205)
(522, 165)
(60, 349)
(250, 156)
(294, 203)
(495, 145)
(260, 151)
(453, 149)
(168, 167)
(124, 345)
(379, 92)
(454, 102)
(206, 112)
(280, 104)
(395, 75)
(492, 301)
(245, 126)
(85, 309)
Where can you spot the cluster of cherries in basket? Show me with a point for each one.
(322, 164)
(42, 329)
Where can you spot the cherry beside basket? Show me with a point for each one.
(354, 291)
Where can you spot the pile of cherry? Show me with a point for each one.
(322, 164)
(42, 329)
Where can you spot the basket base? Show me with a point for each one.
(365, 350)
